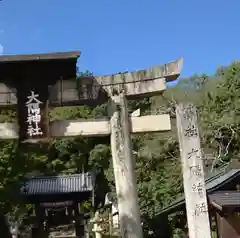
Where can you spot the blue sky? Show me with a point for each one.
(125, 35)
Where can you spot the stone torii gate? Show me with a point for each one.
(117, 89)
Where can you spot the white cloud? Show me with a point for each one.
(1, 49)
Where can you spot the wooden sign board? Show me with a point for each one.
(33, 112)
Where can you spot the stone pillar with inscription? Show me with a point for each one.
(193, 174)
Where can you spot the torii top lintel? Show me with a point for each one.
(141, 83)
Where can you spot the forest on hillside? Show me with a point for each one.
(158, 168)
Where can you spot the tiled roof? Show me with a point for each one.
(215, 182)
(225, 199)
(212, 183)
(58, 184)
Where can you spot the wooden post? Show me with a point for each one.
(110, 221)
(97, 230)
(124, 169)
(79, 222)
(193, 173)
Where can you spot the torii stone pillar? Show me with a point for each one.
(124, 169)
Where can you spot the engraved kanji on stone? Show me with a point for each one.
(191, 131)
(194, 152)
(196, 170)
(188, 112)
(198, 188)
(200, 209)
